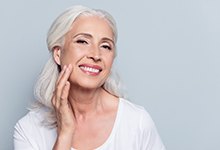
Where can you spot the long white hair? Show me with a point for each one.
(46, 82)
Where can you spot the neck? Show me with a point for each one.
(86, 102)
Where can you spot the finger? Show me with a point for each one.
(61, 74)
(53, 101)
(62, 82)
(65, 76)
(65, 94)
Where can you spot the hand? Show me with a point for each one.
(64, 112)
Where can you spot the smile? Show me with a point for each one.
(90, 69)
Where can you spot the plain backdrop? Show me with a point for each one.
(168, 58)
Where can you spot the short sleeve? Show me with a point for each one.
(21, 141)
(31, 134)
(150, 139)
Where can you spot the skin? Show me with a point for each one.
(85, 111)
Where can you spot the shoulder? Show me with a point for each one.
(29, 125)
(29, 131)
(35, 121)
(140, 125)
(32, 118)
(136, 112)
(32, 124)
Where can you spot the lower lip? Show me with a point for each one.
(90, 73)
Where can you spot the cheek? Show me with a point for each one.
(71, 57)
(109, 61)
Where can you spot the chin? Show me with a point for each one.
(87, 84)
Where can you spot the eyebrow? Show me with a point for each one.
(90, 36)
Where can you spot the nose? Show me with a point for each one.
(94, 54)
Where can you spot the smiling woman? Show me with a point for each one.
(79, 104)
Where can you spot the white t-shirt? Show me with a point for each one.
(133, 130)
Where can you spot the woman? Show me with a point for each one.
(80, 105)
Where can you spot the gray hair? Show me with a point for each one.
(46, 82)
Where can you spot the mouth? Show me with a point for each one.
(90, 69)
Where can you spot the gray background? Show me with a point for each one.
(168, 57)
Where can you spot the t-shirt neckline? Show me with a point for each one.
(115, 126)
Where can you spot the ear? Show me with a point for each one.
(57, 54)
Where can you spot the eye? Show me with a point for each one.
(80, 41)
(105, 46)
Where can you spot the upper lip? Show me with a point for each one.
(91, 66)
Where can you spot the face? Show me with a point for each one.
(90, 48)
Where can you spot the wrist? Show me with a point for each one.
(65, 134)
(63, 141)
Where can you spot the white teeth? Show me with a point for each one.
(90, 69)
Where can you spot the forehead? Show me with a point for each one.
(93, 25)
